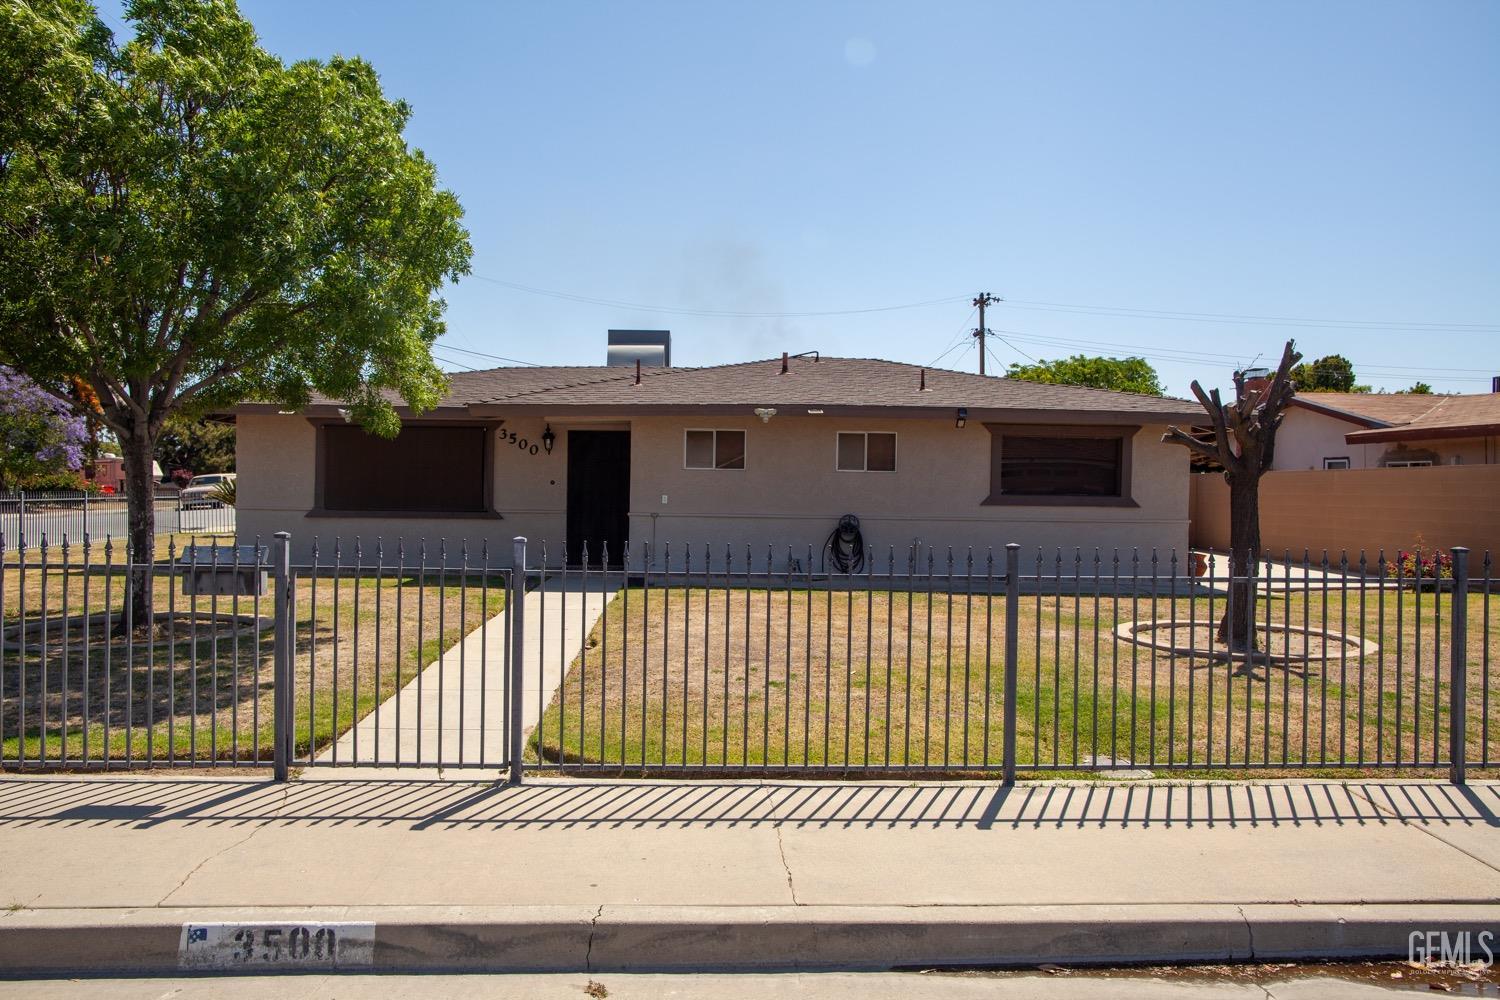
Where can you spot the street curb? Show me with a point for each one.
(628, 938)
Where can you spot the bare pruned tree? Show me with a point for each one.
(1244, 443)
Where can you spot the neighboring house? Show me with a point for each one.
(767, 454)
(1344, 430)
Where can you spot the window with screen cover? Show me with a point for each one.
(713, 449)
(430, 469)
(866, 451)
(1084, 465)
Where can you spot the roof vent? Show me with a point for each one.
(652, 348)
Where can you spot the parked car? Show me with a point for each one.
(201, 491)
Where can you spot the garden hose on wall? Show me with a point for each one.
(845, 547)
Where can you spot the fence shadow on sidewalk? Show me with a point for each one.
(437, 806)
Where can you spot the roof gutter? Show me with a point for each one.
(944, 412)
(1422, 433)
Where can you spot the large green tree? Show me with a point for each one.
(1333, 373)
(196, 445)
(1121, 374)
(186, 221)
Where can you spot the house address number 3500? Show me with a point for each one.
(529, 447)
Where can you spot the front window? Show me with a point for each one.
(427, 468)
(1060, 465)
(714, 449)
(1335, 463)
(866, 451)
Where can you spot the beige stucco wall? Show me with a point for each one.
(1306, 437)
(1367, 509)
(789, 494)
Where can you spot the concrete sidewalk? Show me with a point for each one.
(451, 712)
(565, 875)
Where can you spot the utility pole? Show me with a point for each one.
(981, 300)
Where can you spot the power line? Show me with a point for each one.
(492, 357)
(1176, 355)
(451, 361)
(963, 334)
(1250, 319)
(733, 313)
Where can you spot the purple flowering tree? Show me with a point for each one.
(39, 435)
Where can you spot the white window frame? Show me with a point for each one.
(1410, 463)
(715, 431)
(895, 451)
(1337, 468)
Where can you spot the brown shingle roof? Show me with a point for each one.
(1369, 408)
(826, 382)
(1447, 417)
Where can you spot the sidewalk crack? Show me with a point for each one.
(1421, 825)
(285, 794)
(781, 848)
(1249, 931)
(588, 956)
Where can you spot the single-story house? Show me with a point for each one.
(1348, 430)
(764, 453)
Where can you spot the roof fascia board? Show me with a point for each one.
(1002, 414)
(1382, 434)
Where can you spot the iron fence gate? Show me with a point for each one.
(696, 660)
(398, 658)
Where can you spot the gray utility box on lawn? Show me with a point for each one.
(226, 570)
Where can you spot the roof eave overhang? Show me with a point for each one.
(944, 412)
(1388, 434)
(325, 410)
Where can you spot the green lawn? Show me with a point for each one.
(206, 695)
(834, 678)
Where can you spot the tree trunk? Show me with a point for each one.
(140, 496)
(1237, 627)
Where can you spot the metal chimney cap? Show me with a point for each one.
(652, 348)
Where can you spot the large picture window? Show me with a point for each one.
(1060, 465)
(429, 469)
(714, 450)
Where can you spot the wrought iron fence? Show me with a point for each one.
(689, 660)
(945, 663)
(27, 516)
(245, 659)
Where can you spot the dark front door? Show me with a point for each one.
(598, 494)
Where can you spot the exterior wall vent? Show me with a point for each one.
(652, 348)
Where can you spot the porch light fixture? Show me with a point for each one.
(963, 417)
(816, 413)
(765, 413)
(548, 439)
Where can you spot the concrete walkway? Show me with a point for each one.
(452, 711)
(565, 875)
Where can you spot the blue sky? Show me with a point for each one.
(1332, 167)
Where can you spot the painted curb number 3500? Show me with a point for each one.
(300, 944)
(235, 945)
